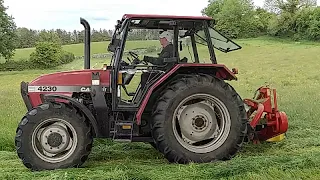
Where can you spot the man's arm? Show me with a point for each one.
(166, 53)
(157, 60)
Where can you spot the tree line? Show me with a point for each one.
(27, 38)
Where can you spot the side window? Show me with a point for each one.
(185, 43)
(202, 47)
(142, 42)
(185, 49)
(203, 52)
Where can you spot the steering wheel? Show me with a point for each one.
(134, 55)
(136, 59)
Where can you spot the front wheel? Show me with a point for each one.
(53, 136)
(199, 119)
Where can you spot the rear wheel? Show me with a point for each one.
(199, 119)
(53, 136)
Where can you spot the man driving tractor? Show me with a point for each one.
(165, 39)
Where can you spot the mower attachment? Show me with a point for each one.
(266, 120)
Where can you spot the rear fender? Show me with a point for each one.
(218, 70)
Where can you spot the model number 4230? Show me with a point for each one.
(47, 88)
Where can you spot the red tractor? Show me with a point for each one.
(182, 107)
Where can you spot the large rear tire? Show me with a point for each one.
(53, 136)
(199, 118)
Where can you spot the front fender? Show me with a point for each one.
(47, 97)
(218, 70)
(83, 108)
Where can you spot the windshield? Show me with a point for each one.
(219, 41)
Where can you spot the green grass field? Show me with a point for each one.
(290, 67)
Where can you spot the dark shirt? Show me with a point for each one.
(167, 52)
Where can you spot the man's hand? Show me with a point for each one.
(153, 60)
(123, 63)
(135, 61)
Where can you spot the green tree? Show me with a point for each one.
(264, 18)
(47, 54)
(308, 24)
(7, 33)
(288, 6)
(49, 36)
(295, 19)
(235, 18)
(26, 38)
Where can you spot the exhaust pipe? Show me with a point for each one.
(86, 43)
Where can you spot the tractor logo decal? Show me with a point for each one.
(88, 89)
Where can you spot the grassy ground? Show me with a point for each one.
(292, 68)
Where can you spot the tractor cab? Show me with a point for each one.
(137, 38)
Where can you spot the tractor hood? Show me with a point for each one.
(71, 78)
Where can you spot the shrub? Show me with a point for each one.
(25, 64)
(313, 30)
(16, 65)
(67, 57)
(49, 55)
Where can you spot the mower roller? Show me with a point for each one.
(183, 108)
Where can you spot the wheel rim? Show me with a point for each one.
(54, 140)
(201, 123)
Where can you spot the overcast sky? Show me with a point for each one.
(65, 14)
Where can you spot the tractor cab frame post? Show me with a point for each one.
(194, 48)
(175, 39)
(116, 67)
(213, 57)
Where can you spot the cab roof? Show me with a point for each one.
(157, 16)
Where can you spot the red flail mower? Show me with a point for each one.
(184, 108)
(263, 109)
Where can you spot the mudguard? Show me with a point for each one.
(219, 70)
(82, 107)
